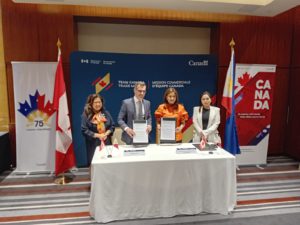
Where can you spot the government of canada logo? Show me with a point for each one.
(37, 111)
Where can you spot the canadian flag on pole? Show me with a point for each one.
(64, 154)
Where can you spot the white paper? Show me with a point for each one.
(168, 129)
(141, 135)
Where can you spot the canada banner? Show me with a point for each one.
(254, 86)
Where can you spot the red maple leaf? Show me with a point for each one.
(244, 79)
(102, 83)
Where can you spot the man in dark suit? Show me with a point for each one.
(135, 108)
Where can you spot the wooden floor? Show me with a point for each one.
(36, 199)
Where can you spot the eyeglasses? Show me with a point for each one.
(141, 91)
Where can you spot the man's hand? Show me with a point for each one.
(130, 132)
(149, 128)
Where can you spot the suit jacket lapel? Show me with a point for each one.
(134, 107)
(200, 117)
(211, 115)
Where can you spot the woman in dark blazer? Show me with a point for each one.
(96, 125)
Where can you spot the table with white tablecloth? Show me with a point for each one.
(161, 182)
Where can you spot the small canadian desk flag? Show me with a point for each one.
(115, 144)
(64, 154)
(202, 143)
(102, 145)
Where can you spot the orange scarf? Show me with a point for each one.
(99, 119)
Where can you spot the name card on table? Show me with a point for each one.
(208, 147)
(185, 150)
(131, 152)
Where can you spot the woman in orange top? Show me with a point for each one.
(172, 109)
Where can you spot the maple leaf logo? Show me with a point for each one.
(244, 79)
(102, 83)
(36, 110)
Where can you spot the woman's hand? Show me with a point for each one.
(158, 126)
(204, 138)
(97, 135)
(179, 129)
(102, 136)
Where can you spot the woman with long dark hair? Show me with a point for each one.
(206, 119)
(96, 124)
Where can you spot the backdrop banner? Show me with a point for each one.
(113, 76)
(35, 117)
(254, 97)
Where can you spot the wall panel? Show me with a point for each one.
(50, 28)
(292, 134)
(258, 40)
(28, 33)
(279, 113)
(20, 31)
(296, 39)
(4, 118)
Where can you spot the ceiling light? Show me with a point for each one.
(241, 2)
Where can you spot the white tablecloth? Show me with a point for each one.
(161, 183)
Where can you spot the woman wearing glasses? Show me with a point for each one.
(96, 124)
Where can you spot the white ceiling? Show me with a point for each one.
(272, 9)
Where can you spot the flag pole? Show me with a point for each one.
(58, 44)
(232, 43)
(61, 179)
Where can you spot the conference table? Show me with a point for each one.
(161, 181)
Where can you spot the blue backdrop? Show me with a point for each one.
(112, 75)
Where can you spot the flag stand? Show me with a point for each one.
(63, 179)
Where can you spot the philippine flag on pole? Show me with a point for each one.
(64, 154)
(231, 143)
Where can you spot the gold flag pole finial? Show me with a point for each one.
(232, 43)
(58, 43)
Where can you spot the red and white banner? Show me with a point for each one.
(253, 99)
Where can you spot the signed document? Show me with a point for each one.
(141, 135)
(168, 130)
